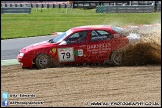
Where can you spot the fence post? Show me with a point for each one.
(42, 5)
(53, 5)
(47, 5)
(36, 5)
(96, 9)
(31, 5)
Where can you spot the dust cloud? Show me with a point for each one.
(147, 50)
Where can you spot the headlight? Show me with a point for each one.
(21, 54)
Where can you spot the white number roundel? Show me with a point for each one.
(66, 54)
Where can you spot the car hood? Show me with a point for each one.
(38, 45)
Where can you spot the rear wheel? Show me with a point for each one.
(116, 57)
(43, 61)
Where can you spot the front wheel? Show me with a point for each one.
(116, 57)
(43, 61)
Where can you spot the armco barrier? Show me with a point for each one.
(15, 10)
(99, 9)
(125, 9)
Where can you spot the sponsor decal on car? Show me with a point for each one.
(104, 45)
(99, 48)
(78, 52)
(53, 50)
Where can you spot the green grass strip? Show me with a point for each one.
(9, 62)
(61, 19)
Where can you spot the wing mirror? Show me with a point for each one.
(63, 43)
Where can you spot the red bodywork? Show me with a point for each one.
(80, 52)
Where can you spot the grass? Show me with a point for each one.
(59, 20)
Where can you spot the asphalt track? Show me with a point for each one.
(10, 47)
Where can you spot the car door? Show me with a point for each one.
(75, 49)
(99, 45)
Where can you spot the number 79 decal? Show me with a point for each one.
(66, 54)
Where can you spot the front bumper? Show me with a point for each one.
(25, 61)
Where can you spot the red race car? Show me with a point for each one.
(83, 44)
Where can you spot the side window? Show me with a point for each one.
(77, 37)
(98, 35)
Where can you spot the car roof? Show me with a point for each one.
(91, 27)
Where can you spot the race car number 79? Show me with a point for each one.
(65, 54)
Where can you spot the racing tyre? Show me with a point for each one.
(116, 57)
(42, 61)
